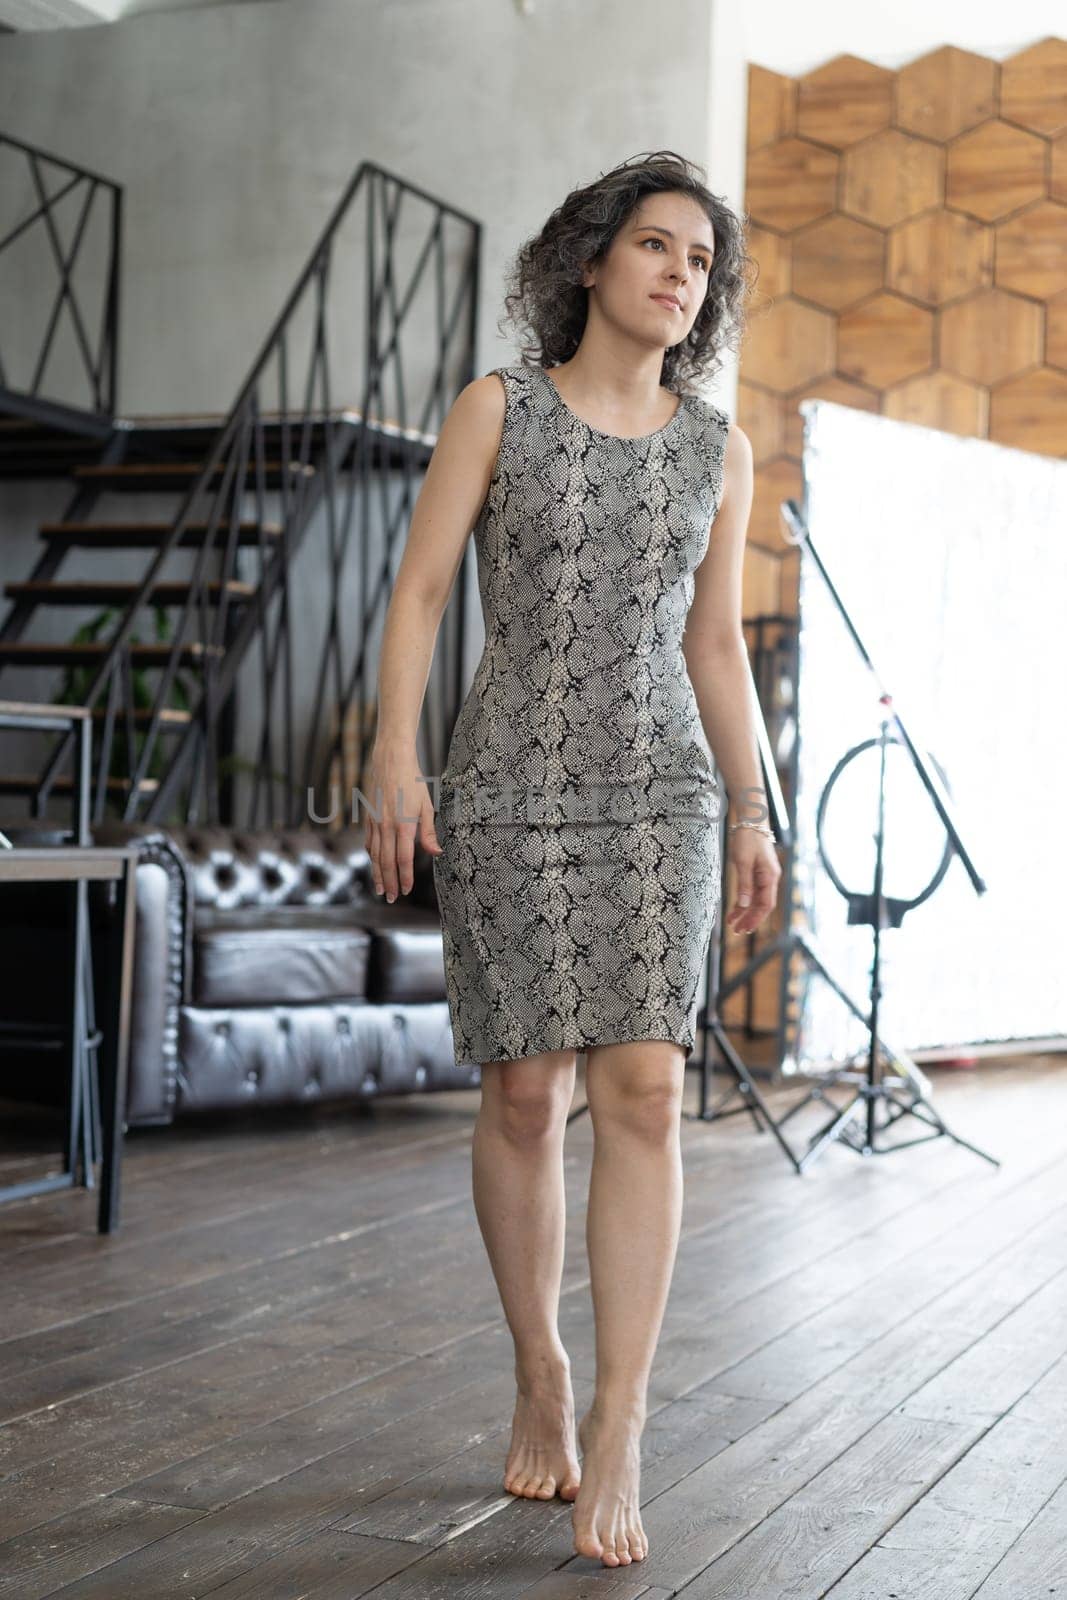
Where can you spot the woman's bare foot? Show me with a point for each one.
(607, 1514)
(543, 1460)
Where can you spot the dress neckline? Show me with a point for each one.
(598, 433)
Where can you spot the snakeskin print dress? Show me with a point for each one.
(579, 875)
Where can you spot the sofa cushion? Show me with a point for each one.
(288, 955)
(407, 958)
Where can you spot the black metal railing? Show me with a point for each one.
(264, 690)
(49, 275)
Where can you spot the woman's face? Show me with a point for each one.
(663, 251)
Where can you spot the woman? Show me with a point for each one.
(609, 505)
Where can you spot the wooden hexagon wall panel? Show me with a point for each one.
(911, 232)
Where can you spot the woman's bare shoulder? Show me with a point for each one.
(475, 421)
(478, 410)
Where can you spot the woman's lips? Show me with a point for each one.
(665, 300)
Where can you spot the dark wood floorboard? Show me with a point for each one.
(288, 1374)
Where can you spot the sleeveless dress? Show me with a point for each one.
(579, 875)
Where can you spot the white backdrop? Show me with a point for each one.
(951, 557)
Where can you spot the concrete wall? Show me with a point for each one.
(235, 129)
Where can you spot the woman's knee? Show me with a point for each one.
(529, 1099)
(637, 1086)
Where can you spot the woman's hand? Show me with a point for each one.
(758, 871)
(395, 790)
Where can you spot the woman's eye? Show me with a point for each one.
(698, 259)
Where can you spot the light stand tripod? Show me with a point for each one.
(880, 1100)
(895, 1095)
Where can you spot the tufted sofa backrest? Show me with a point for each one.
(232, 867)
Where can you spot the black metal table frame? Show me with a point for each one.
(79, 867)
(83, 1113)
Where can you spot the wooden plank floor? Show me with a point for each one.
(288, 1374)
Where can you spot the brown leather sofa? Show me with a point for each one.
(267, 972)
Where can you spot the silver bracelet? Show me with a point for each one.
(757, 827)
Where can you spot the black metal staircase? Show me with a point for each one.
(230, 666)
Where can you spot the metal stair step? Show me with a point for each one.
(170, 718)
(176, 474)
(25, 783)
(86, 592)
(142, 535)
(91, 653)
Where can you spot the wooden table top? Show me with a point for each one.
(64, 863)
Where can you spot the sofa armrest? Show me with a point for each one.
(162, 967)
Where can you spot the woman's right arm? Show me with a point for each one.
(453, 491)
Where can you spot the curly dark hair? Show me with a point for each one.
(545, 297)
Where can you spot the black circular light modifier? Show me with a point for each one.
(916, 850)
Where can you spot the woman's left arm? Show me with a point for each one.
(716, 658)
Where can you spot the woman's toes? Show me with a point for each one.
(622, 1550)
